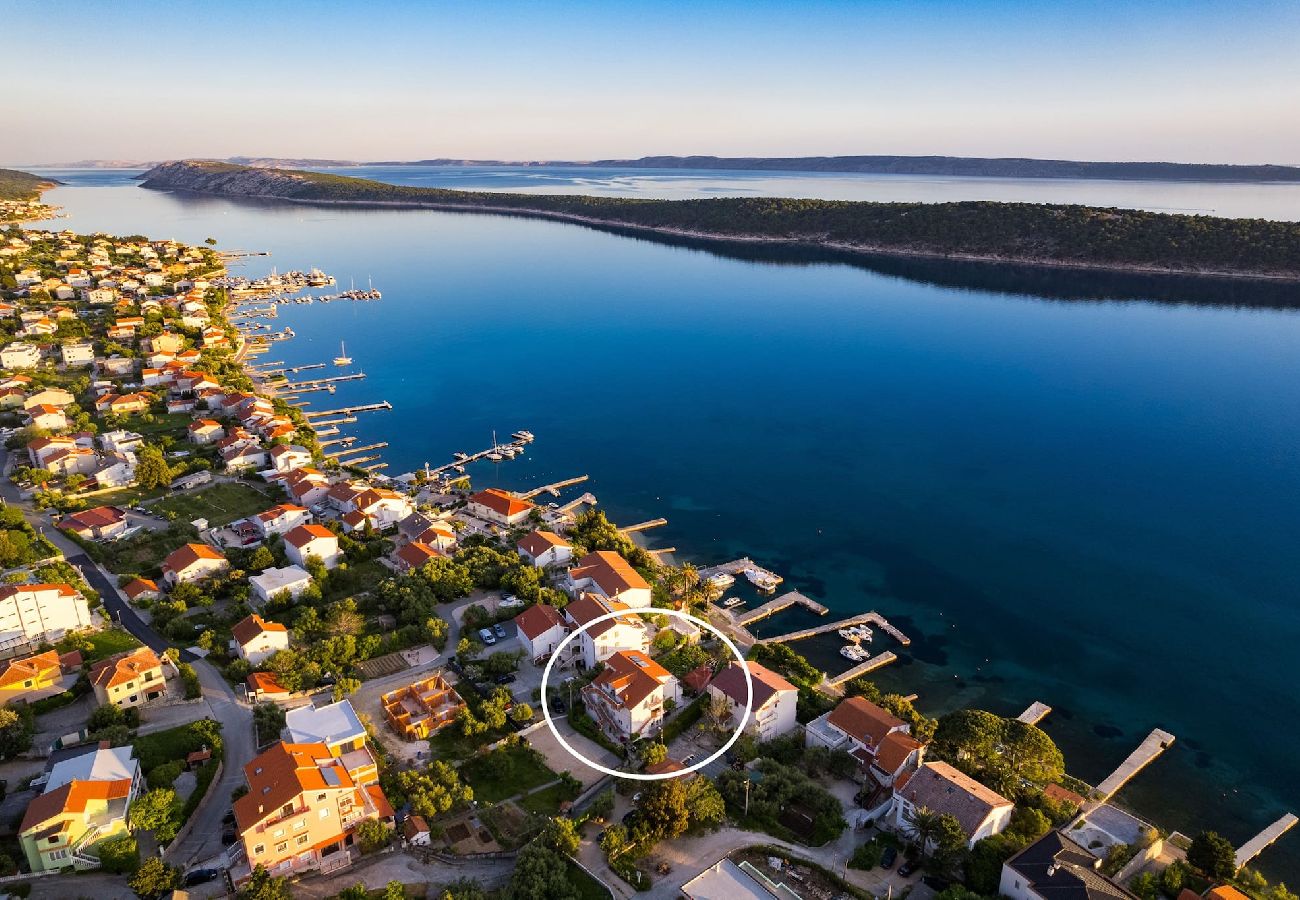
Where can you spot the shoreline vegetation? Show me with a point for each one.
(20, 196)
(1060, 236)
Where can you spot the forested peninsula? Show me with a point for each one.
(16, 185)
(1040, 234)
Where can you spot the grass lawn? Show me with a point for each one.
(220, 504)
(143, 552)
(161, 423)
(505, 772)
(163, 746)
(355, 579)
(127, 496)
(588, 888)
(450, 744)
(547, 801)
(104, 643)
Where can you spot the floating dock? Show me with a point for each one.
(313, 382)
(349, 410)
(1260, 842)
(772, 607)
(1036, 713)
(1156, 742)
(862, 668)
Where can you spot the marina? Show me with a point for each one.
(785, 601)
(872, 618)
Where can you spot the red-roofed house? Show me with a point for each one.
(192, 562)
(611, 576)
(281, 519)
(206, 431)
(499, 506)
(940, 788)
(607, 637)
(256, 639)
(545, 548)
(627, 698)
(129, 679)
(312, 540)
(410, 557)
(98, 524)
(772, 709)
(141, 588)
(880, 741)
(541, 628)
(264, 686)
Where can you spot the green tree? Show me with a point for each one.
(1213, 855)
(707, 808)
(345, 686)
(154, 879)
(119, 854)
(394, 890)
(1030, 753)
(562, 835)
(434, 791)
(614, 840)
(151, 469)
(463, 889)
(373, 835)
(653, 753)
(923, 826)
(540, 874)
(264, 886)
(17, 728)
(155, 810)
(664, 810)
(261, 559)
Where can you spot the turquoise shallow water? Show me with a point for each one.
(1063, 489)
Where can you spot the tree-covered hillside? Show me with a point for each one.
(1020, 232)
(15, 185)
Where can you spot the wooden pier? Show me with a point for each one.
(345, 420)
(662, 550)
(357, 462)
(264, 365)
(349, 410)
(343, 440)
(737, 567)
(772, 607)
(326, 432)
(554, 488)
(472, 457)
(1036, 713)
(376, 467)
(1156, 742)
(643, 526)
(1260, 842)
(871, 618)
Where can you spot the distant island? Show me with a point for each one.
(1040, 234)
(933, 166)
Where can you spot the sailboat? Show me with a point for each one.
(342, 359)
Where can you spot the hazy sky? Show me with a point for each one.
(1185, 81)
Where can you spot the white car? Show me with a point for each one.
(510, 601)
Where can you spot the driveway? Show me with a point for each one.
(561, 760)
(377, 871)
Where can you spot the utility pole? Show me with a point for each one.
(747, 796)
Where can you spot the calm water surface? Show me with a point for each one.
(1087, 502)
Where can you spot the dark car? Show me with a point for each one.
(505, 679)
(630, 819)
(559, 706)
(199, 876)
(888, 858)
(229, 818)
(908, 867)
(229, 835)
(499, 630)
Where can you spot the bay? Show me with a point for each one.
(1070, 487)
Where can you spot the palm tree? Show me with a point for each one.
(690, 576)
(924, 825)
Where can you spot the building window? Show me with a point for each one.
(324, 813)
(302, 838)
(259, 850)
(320, 797)
(282, 846)
(287, 809)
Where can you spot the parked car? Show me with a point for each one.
(199, 876)
(486, 635)
(510, 601)
(908, 867)
(888, 858)
(499, 630)
(507, 678)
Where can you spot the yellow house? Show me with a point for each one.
(129, 679)
(85, 800)
(31, 678)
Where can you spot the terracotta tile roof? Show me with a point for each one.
(250, 627)
(589, 606)
(767, 684)
(632, 675)
(302, 535)
(538, 619)
(1225, 892)
(137, 586)
(382, 806)
(119, 669)
(939, 787)
(89, 519)
(894, 751)
(280, 774)
(501, 502)
(662, 768)
(276, 511)
(355, 519)
(183, 557)
(19, 670)
(265, 682)
(72, 798)
(535, 543)
(863, 721)
(697, 679)
(13, 590)
(414, 826)
(416, 554)
(1062, 795)
(612, 572)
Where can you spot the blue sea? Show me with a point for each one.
(1071, 487)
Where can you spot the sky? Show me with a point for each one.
(1186, 81)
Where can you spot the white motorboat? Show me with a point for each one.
(853, 652)
(342, 359)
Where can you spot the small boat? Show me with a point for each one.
(848, 634)
(861, 632)
(733, 601)
(495, 457)
(342, 359)
(853, 652)
(460, 469)
(524, 436)
(460, 455)
(721, 580)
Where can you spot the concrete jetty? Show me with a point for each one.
(772, 607)
(1256, 845)
(643, 526)
(1036, 713)
(862, 668)
(352, 450)
(870, 618)
(349, 410)
(1156, 742)
(587, 498)
(553, 488)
